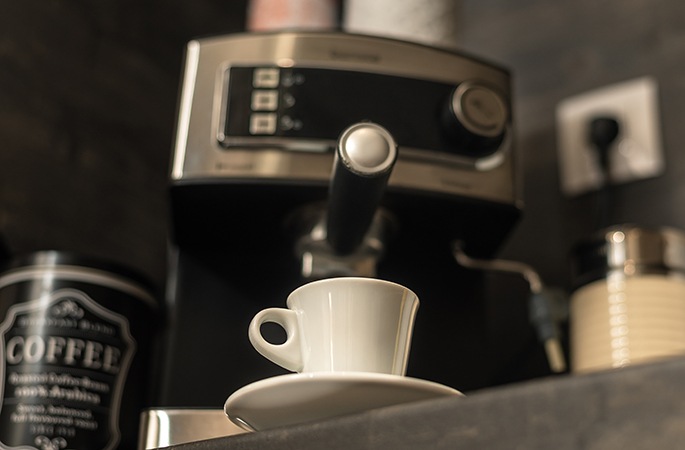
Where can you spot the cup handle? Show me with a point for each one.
(287, 354)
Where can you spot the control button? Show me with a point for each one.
(480, 109)
(367, 149)
(475, 119)
(263, 123)
(265, 77)
(264, 100)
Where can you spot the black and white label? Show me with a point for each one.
(63, 364)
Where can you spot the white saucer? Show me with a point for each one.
(304, 397)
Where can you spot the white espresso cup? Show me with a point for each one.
(341, 325)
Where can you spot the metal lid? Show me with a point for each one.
(630, 250)
(59, 258)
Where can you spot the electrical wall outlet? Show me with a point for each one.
(636, 153)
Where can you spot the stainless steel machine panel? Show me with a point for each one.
(269, 107)
(166, 426)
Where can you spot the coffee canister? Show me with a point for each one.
(628, 306)
(75, 342)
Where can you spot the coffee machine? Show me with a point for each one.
(304, 155)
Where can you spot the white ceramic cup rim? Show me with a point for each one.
(294, 294)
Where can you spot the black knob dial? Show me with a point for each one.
(475, 119)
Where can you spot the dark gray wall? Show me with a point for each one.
(87, 98)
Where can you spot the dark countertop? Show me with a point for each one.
(634, 408)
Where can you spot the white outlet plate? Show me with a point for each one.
(637, 152)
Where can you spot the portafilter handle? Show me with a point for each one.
(365, 156)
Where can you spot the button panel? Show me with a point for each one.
(261, 102)
(265, 97)
(305, 107)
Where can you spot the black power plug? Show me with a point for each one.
(603, 132)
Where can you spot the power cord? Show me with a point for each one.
(602, 134)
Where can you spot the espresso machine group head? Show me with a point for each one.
(304, 155)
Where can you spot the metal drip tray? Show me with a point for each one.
(166, 427)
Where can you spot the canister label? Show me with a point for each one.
(63, 364)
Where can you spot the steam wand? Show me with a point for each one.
(364, 158)
(346, 237)
(543, 315)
